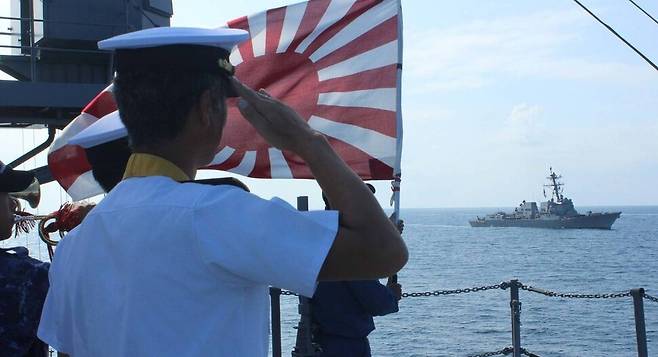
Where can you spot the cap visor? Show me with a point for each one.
(15, 181)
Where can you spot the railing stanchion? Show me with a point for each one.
(275, 299)
(33, 63)
(304, 346)
(515, 308)
(640, 330)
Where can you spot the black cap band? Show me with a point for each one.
(196, 58)
(208, 59)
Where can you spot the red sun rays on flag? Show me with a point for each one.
(336, 62)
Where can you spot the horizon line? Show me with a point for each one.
(502, 206)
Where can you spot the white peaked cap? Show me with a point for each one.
(140, 43)
(104, 130)
(224, 38)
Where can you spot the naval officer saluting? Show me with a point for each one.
(165, 268)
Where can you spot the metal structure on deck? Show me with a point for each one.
(50, 49)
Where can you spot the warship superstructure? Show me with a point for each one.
(557, 212)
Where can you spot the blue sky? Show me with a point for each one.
(496, 92)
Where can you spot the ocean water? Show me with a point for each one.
(446, 253)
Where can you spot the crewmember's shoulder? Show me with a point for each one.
(163, 191)
(210, 190)
(222, 181)
(15, 260)
(217, 191)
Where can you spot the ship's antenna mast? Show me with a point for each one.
(555, 185)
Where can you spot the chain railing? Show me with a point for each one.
(503, 286)
(650, 298)
(638, 296)
(504, 352)
(575, 296)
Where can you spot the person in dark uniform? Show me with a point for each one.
(23, 280)
(343, 311)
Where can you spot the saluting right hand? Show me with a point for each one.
(276, 122)
(366, 245)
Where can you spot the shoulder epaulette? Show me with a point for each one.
(221, 181)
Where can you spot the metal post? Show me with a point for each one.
(515, 308)
(304, 346)
(302, 203)
(640, 330)
(24, 27)
(33, 63)
(275, 302)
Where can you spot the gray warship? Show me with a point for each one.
(558, 212)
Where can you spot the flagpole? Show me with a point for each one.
(397, 172)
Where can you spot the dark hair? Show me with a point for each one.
(108, 162)
(154, 104)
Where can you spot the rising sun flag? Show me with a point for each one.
(336, 62)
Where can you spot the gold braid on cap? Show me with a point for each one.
(225, 65)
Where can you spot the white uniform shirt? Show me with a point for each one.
(160, 268)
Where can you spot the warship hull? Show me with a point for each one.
(590, 221)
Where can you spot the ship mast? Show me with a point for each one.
(555, 185)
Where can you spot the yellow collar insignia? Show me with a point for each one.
(140, 165)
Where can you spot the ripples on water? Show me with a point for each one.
(446, 253)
